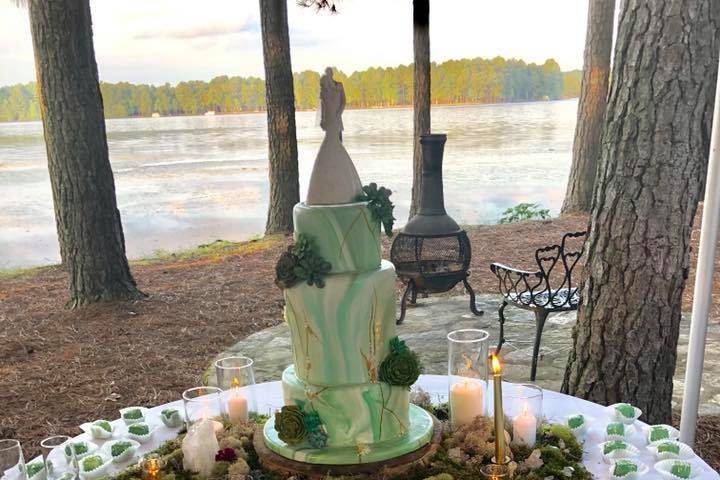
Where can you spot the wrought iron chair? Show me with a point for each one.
(548, 290)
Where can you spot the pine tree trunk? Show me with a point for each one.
(653, 161)
(280, 100)
(591, 108)
(89, 229)
(421, 92)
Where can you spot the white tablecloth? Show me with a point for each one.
(556, 408)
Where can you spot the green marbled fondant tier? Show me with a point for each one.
(341, 333)
(419, 434)
(352, 414)
(344, 235)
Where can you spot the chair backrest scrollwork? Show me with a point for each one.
(551, 286)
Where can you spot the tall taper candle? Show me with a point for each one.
(499, 415)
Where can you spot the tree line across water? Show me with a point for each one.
(474, 80)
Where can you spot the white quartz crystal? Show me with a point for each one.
(199, 448)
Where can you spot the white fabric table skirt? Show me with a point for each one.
(556, 407)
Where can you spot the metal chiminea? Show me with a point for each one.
(432, 254)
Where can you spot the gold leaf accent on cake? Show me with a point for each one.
(372, 232)
(384, 407)
(371, 366)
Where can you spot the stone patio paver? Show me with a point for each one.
(426, 326)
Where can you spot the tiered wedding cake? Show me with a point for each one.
(346, 396)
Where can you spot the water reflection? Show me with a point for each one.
(184, 181)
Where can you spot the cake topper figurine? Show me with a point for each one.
(334, 179)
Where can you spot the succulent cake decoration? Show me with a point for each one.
(401, 367)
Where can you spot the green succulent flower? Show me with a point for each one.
(290, 424)
(312, 421)
(380, 205)
(302, 246)
(401, 367)
(285, 276)
(318, 438)
(313, 269)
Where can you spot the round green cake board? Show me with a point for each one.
(418, 435)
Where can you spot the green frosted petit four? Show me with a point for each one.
(32, 469)
(133, 414)
(659, 433)
(139, 429)
(615, 429)
(171, 417)
(681, 469)
(624, 468)
(101, 429)
(625, 410)
(576, 421)
(610, 447)
(80, 448)
(104, 424)
(119, 448)
(93, 462)
(669, 447)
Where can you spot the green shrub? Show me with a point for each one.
(524, 211)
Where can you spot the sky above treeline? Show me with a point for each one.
(160, 41)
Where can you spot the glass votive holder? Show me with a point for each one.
(235, 375)
(12, 462)
(495, 471)
(202, 403)
(523, 406)
(467, 374)
(56, 461)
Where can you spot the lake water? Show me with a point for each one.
(185, 181)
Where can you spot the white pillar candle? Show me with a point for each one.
(525, 429)
(466, 402)
(237, 406)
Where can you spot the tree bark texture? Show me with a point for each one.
(421, 92)
(591, 108)
(653, 162)
(280, 100)
(89, 229)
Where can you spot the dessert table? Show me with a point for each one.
(556, 408)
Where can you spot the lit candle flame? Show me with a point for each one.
(495, 364)
(235, 382)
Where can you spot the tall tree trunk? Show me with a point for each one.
(421, 92)
(280, 100)
(591, 109)
(90, 233)
(654, 158)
